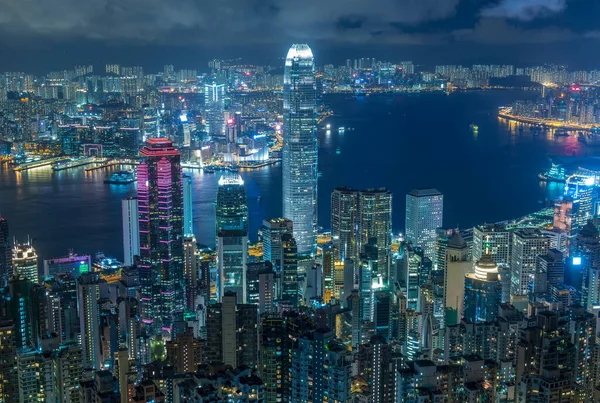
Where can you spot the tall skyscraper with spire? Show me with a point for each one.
(160, 205)
(300, 146)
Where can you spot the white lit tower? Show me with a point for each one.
(300, 146)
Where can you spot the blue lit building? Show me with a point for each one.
(483, 291)
(300, 154)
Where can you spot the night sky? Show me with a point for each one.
(41, 35)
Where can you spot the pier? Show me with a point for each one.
(58, 166)
(37, 164)
(112, 163)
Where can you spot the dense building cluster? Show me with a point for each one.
(494, 313)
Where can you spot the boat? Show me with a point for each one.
(208, 170)
(328, 126)
(338, 151)
(590, 139)
(341, 130)
(121, 178)
(474, 128)
(561, 133)
(259, 197)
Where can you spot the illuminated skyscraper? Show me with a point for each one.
(232, 247)
(188, 211)
(90, 289)
(272, 232)
(232, 207)
(498, 239)
(344, 206)
(300, 153)
(483, 291)
(25, 262)
(5, 253)
(131, 230)
(527, 245)
(214, 104)
(160, 203)
(289, 270)
(375, 221)
(424, 214)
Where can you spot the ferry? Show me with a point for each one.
(121, 178)
(474, 128)
(556, 173)
(341, 130)
(328, 126)
(561, 133)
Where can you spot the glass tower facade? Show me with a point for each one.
(300, 146)
(214, 101)
(232, 207)
(160, 208)
(424, 214)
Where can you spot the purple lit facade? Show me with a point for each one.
(160, 198)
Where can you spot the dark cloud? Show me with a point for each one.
(273, 24)
(525, 10)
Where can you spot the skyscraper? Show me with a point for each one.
(214, 104)
(272, 231)
(424, 214)
(498, 239)
(375, 221)
(188, 212)
(131, 230)
(232, 248)
(90, 290)
(25, 262)
(160, 203)
(483, 291)
(232, 206)
(344, 206)
(5, 253)
(289, 270)
(300, 154)
(527, 245)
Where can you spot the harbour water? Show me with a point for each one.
(396, 141)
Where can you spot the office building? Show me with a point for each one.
(299, 152)
(188, 211)
(289, 270)
(232, 206)
(5, 253)
(483, 291)
(232, 333)
(272, 231)
(214, 104)
(375, 221)
(232, 249)
(25, 262)
(344, 216)
(424, 214)
(457, 266)
(498, 238)
(73, 263)
(160, 206)
(131, 230)
(527, 245)
(190, 270)
(272, 334)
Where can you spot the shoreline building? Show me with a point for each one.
(300, 149)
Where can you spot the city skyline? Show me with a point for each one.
(391, 304)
